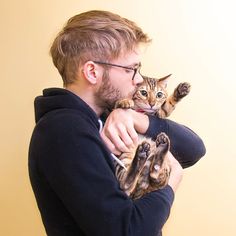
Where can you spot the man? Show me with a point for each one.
(70, 165)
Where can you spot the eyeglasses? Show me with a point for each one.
(136, 69)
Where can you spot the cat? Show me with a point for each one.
(146, 167)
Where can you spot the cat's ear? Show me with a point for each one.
(164, 80)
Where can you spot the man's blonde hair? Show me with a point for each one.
(93, 35)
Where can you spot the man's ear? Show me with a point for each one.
(90, 72)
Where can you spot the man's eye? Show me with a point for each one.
(144, 93)
(128, 70)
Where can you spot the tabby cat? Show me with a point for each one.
(146, 167)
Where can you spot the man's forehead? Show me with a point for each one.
(131, 58)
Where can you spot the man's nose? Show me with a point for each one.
(138, 78)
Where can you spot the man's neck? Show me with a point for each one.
(86, 94)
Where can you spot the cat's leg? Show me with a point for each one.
(160, 169)
(155, 173)
(129, 181)
(143, 180)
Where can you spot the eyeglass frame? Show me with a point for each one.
(120, 66)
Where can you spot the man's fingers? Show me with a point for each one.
(119, 131)
(119, 137)
(133, 135)
(110, 144)
(125, 139)
(118, 143)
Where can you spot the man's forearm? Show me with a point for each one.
(186, 146)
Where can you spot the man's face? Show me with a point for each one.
(117, 82)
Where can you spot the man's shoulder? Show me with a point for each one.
(68, 117)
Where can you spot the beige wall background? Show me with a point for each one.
(193, 40)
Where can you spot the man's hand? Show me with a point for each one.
(121, 127)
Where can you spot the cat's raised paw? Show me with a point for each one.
(182, 90)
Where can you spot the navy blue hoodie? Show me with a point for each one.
(72, 173)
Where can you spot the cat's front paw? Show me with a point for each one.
(125, 104)
(182, 90)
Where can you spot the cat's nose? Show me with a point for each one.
(152, 104)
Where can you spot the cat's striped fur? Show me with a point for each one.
(147, 166)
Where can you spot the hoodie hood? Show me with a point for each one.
(57, 98)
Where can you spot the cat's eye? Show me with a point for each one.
(159, 95)
(144, 93)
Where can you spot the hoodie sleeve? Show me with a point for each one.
(186, 145)
(76, 167)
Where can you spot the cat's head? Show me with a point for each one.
(150, 94)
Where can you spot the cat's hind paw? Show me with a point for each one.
(163, 142)
(143, 151)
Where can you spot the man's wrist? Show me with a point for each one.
(141, 122)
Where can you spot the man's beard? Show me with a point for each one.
(107, 95)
